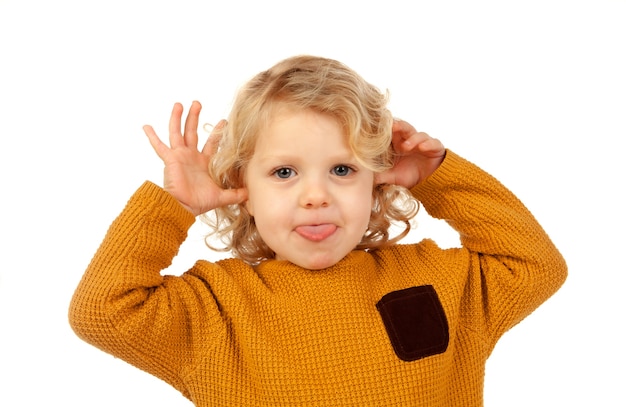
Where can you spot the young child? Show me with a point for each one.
(320, 306)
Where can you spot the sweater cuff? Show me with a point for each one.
(152, 194)
(452, 175)
(449, 169)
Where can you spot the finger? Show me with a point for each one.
(210, 147)
(159, 147)
(415, 140)
(176, 138)
(191, 125)
(407, 143)
(431, 147)
(401, 131)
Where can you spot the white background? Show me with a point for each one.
(532, 91)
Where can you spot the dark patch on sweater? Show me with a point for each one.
(415, 322)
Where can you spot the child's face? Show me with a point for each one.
(310, 198)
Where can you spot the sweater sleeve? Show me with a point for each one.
(513, 265)
(124, 306)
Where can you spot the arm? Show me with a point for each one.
(123, 304)
(513, 265)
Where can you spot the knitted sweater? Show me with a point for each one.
(408, 325)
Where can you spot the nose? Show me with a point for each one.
(315, 193)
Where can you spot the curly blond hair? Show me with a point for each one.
(328, 87)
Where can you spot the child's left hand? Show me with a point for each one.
(417, 156)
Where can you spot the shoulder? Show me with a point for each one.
(425, 257)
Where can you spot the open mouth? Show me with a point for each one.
(316, 233)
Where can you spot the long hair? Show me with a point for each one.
(328, 87)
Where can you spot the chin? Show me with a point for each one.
(318, 263)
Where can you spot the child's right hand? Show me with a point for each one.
(186, 175)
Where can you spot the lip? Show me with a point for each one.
(317, 232)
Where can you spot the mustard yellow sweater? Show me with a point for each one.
(410, 325)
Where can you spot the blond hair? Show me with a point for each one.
(328, 87)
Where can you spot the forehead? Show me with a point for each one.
(295, 123)
(302, 135)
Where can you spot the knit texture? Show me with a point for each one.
(230, 334)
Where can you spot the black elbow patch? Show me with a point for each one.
(415, 322)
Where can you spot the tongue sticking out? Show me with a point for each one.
(316, 233)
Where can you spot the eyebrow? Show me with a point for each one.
(339, 158)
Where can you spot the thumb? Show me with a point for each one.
(233, 196)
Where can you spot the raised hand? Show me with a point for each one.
(417, 156)
(186, 175)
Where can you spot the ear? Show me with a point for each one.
(375, 192)
(385, 177)
(248, 206)
(373, 199)
(243, 182)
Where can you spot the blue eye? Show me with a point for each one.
(283, 173)
(342, 170)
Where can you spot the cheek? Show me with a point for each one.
(361, 209)
(263, 205)
(365, 214)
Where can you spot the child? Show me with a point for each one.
(319, 305)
